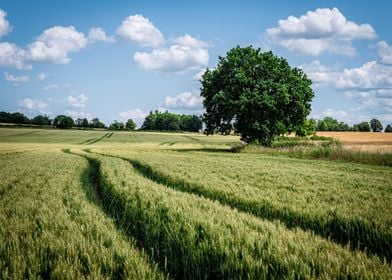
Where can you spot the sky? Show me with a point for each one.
(121, 59)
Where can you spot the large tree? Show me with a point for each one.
(256, 94)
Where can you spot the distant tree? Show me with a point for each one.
(190, 123)
(81, 122)
(388, 128)
(95, 123)
(19, 118)
(256, 94)
(62, 121)
(131, 125)
(363, 127)
(321, 126)
(306, 129)
(161, 121)
(115, 125)
(376, 125)
(41, 120)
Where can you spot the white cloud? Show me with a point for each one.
(187, 53)
(78, 101)
(33, 104)
(41, 76)
(384, 52)
(319, 31)
(51, 87)
(16, 79)
(98, 34)
(141, 30)
(189, 41)
(13, 56)
(4, 24)
(185, 100)
(135, 114)
(54, 44)
(338, 114)
(371, 75)
(198, 75)
(76, 114)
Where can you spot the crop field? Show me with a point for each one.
(147, 205)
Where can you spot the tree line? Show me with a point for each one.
(154, 121)
(171, 122)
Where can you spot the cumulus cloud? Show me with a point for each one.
(54, 44)
(135, 114)
(384, 52)
(13, 56)
(4, 24)
(78, 101)
(319, 31)
(98, 34)
(77, 114)
(33, 104)
(186, 53)
(141, 30)
(199, 74)
(16, 79)
(185, 100)
(51, 87)
(41, 76)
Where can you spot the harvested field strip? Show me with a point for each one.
(48, 229)
(193, 237)
(355, 232)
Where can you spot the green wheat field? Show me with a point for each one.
(80, 204)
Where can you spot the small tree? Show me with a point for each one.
(376, 125)
(306, 129)
(62, 121)
(131, 125)
(116, 125)
(388, 128)
(255, 94)
(95, 123)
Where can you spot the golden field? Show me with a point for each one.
(363, 141)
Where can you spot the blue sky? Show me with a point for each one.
(121, 59)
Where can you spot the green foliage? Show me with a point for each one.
(95, 123)
(115, 125)
(306, 129)
(363, 127)
(388, 128)
(62, 121)
(131, 125)
(82, 123)
(171, 122)
(376, 125)
(331, 124)
(255, 94)
(41, 120)
(18, 118)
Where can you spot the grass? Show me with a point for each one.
(345, 202)
(194, 237)
(50, 230)
(149, 205)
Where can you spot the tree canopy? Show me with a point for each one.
(171, 122)
(256, 94)
(376, 125)
(131, 125)
(62, 121)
